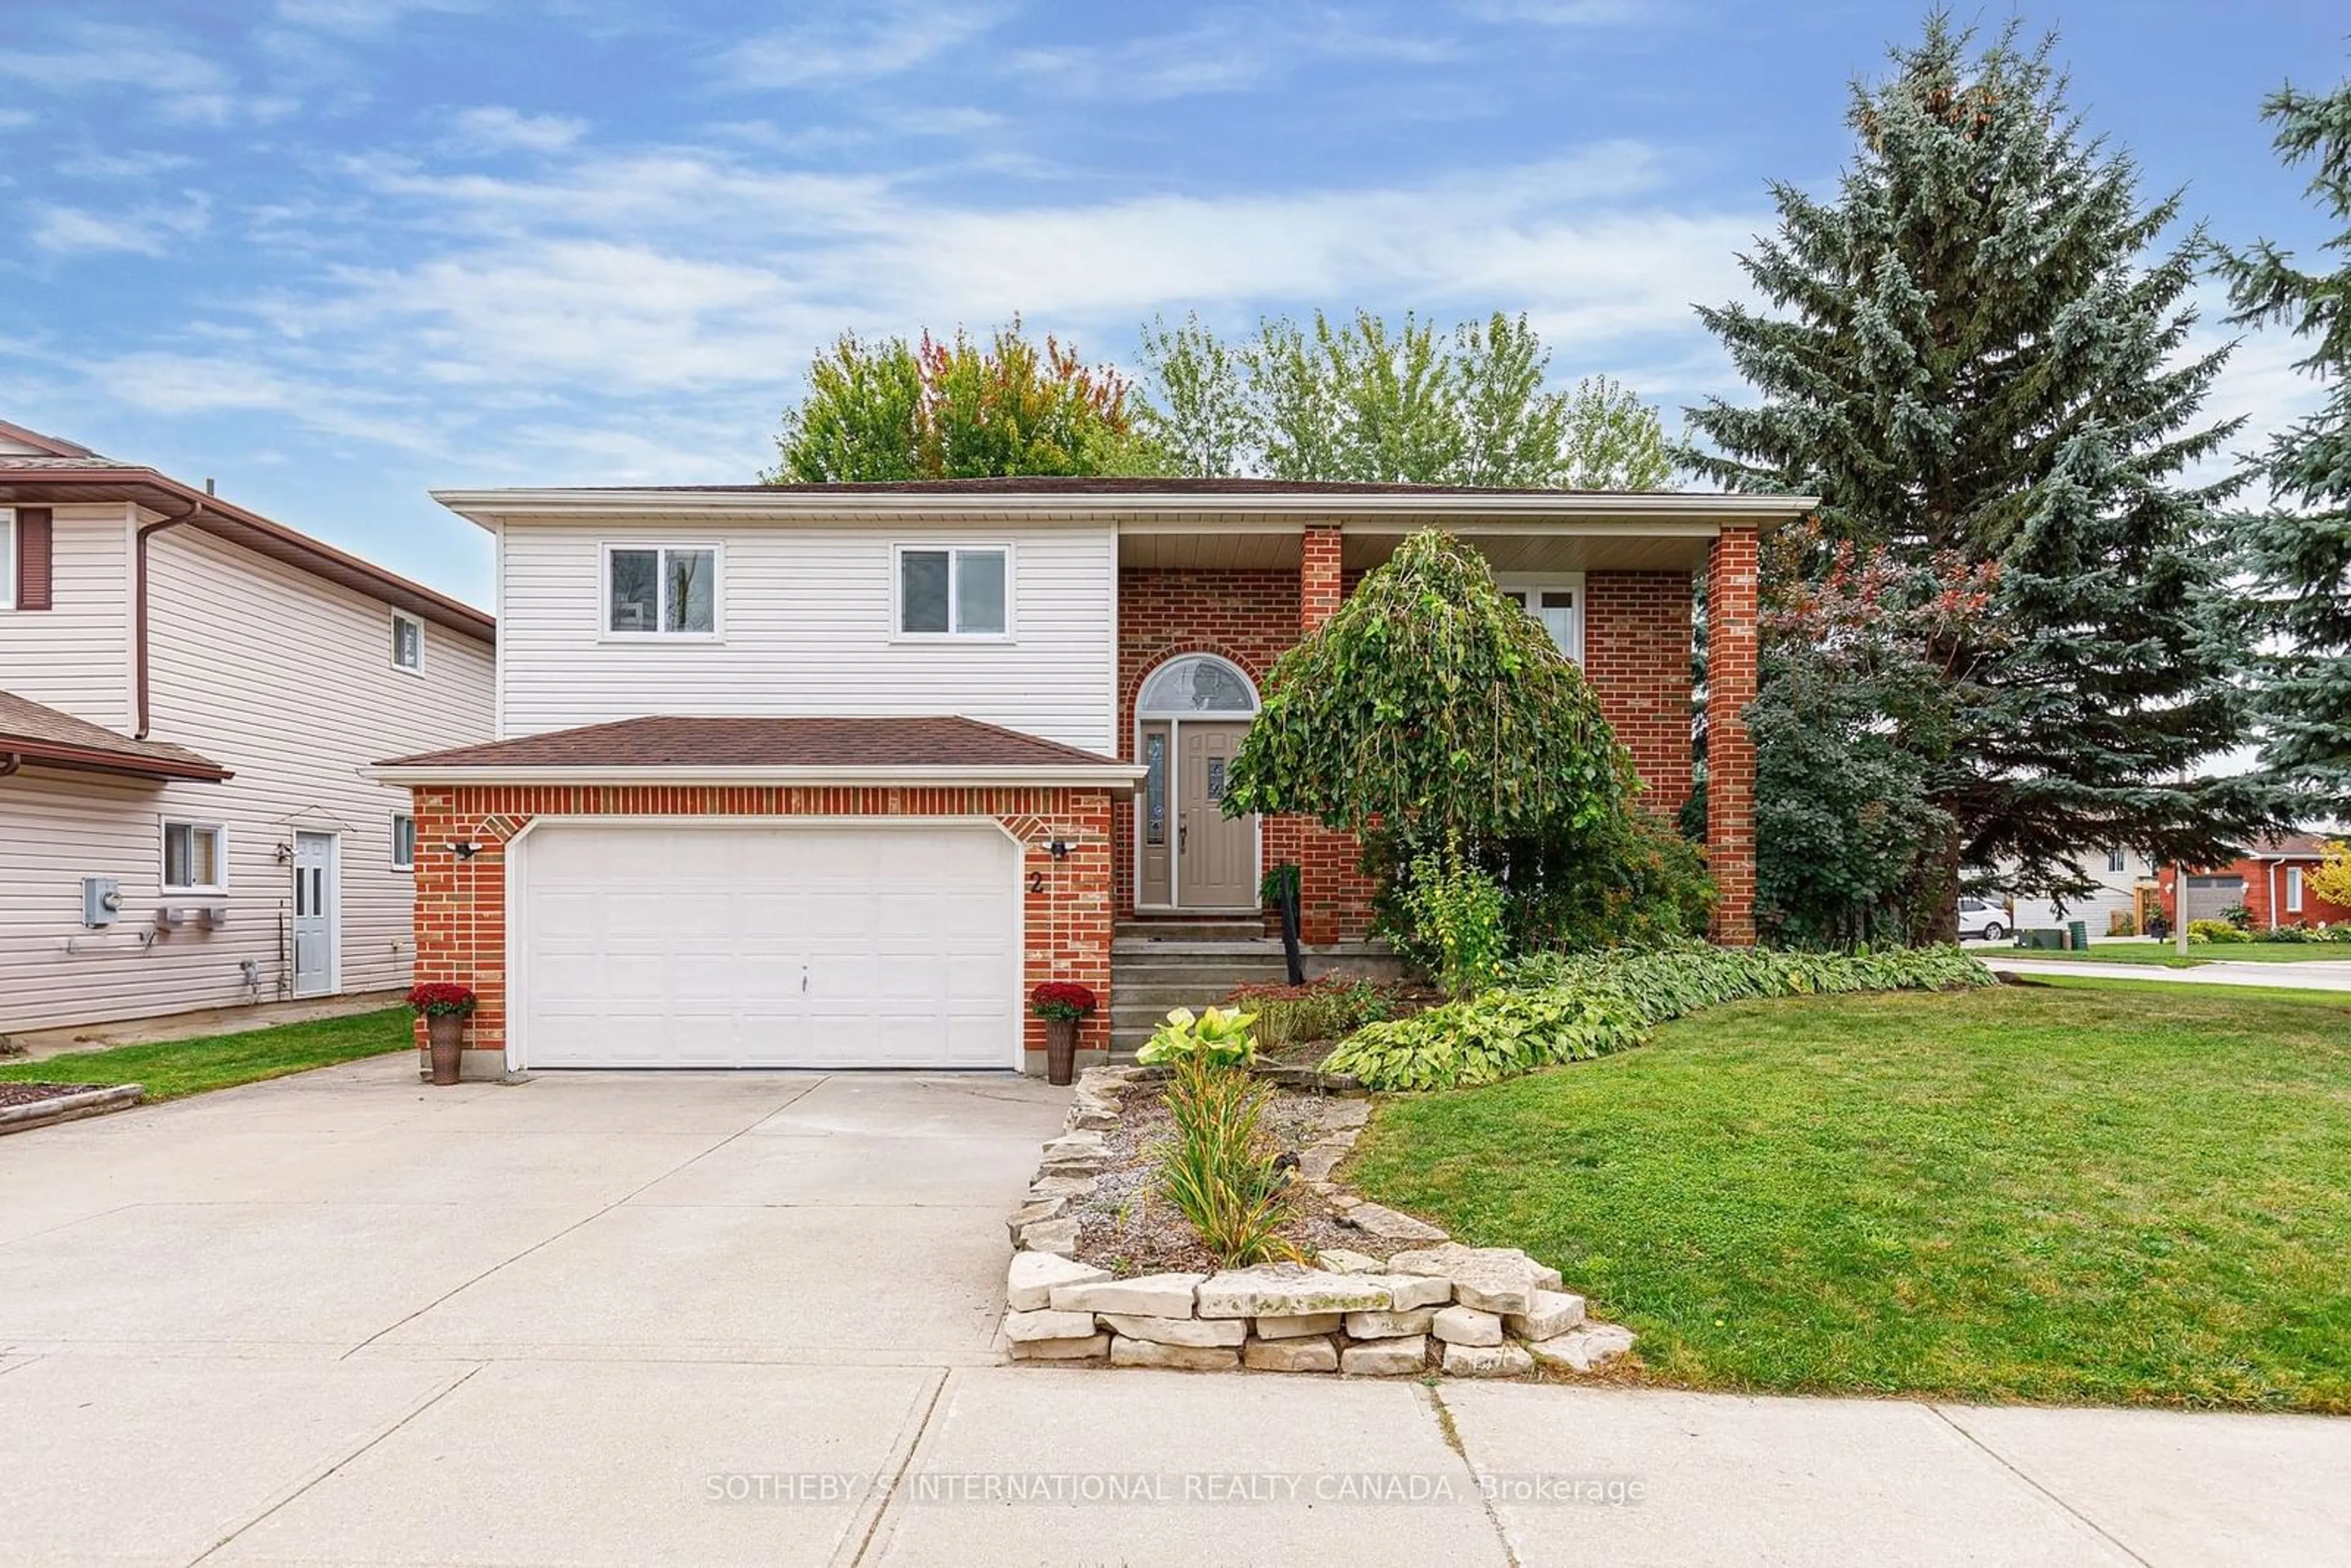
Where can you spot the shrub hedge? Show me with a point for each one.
(1555, 1008)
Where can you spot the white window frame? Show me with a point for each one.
(952, 549)
(2117, 860)
(398, 621)
(220, 855)
(663, 549)
(2294, 890)
(1532, 584)
(7, 558)
(397, 863)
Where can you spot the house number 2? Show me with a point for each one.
(1036, 881)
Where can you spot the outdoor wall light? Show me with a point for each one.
(465, 851)
(1059, 849)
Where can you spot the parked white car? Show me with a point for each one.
(1982, 922)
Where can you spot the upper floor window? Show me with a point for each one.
(1558, 603)
(7, 558)
(407, 644)
(191, 857)
(404, 841)
(954, 590)
(2113, 859)
(663, 590)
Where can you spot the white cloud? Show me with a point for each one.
(854, 43)
(121, 165)
(497, 129)
(1562, 13)
(15, 118)
(1224, 52)
(90, 54)
(685, 274)
(361, 18)
(146, 230)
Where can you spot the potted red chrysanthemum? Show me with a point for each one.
(1060, 1003)
(443, 1004)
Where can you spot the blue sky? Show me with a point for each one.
(335, 252)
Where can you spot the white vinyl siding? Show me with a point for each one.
(283, 678)
(808, 613)
(76, 655)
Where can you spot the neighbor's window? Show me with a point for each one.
(191, 857)
(403, 842)
(663, 591)
(2113, 859)
(2293, 889)
(7, 558)
(954, 592)
(407, 644)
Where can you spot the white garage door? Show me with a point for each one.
(653, 946)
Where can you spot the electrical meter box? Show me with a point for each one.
(101, 899)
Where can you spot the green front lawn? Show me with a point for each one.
(2168, 955)
(2121, 1194)
(175, 1066)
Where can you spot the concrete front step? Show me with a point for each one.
(1170, 946)
(1236, 930)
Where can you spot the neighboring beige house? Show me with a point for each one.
(188, 692)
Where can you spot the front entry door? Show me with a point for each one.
(314, 913)
(1216, 855)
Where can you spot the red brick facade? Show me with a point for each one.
(461, 908)
(1636, 654)
(2267, 895)
(1249, 617)
(1730, 679)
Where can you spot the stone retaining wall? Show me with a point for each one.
(1433, 1305)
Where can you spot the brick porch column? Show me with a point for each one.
(1326, 861)
(1731, 611)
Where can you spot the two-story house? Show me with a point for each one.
(188, 693)
(832, 775)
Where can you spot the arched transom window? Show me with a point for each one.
(1196, 684)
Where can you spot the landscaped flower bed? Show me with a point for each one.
(1110, 1272)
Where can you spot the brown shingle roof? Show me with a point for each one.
(671, 742)
(39, 734)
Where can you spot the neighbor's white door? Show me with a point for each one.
(657, 945)
(315, 912)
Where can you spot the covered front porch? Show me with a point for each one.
(1207, 602)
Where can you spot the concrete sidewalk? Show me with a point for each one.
(2325, 976)
(720, 1319)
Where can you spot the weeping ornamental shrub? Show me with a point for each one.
(1571, 1008)
(1435, 720)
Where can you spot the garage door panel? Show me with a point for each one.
(648, 944)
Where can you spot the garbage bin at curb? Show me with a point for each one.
(2077, 933)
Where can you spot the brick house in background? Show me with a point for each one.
(833, 775)
(2271, 879)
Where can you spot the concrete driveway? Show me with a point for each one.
(750, 1319)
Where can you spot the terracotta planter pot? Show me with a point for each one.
(447, 1033)
(1060, 1051)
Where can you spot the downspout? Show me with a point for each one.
(10, 763)
(139, 613)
